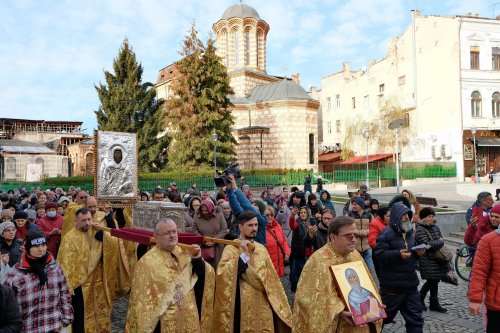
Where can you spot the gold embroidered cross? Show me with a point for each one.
(179, 295)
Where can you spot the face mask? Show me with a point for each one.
(406, 226)
(51, 214)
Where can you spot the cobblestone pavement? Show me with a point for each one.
(454, 298)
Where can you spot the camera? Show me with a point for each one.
(223, 180)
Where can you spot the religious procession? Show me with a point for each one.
(198, 262)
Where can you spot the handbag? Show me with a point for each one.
(450, 276)
(443, 254)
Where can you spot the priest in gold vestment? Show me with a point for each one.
(89, 259)
(172, 291)
(249, 296)
(318, 304)
(69, 215)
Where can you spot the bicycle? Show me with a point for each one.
(464, 259)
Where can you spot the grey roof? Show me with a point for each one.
(240, 10)
(26, 147)
(278, 91)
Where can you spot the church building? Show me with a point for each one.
(275, 119)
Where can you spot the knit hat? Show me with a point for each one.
(7, 213)
(20, 215)
(5, 225)
(426, 211)
(62, 199)
(363, 187)
(261, 205)
(50, 205)
(34, 238)
(359, 201)
(495, 209)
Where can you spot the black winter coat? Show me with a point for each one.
(430, 268)
(319, 239)
(298, 248)
(395, 273)
(10, 313)
(14, 250)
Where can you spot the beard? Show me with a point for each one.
(406, 226)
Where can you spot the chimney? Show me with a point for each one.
(296, 78)
(417, 12)
(346, 67)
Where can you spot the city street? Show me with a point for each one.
(454, 298)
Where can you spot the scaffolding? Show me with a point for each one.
(9, 127)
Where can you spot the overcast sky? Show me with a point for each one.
(52, 52)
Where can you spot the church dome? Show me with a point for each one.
(282, 90)
(240, 10)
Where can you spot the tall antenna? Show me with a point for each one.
(493, 8)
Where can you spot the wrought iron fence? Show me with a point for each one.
(377, 171)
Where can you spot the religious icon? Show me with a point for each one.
(116, 166)
(358, 292)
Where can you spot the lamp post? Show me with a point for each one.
(366, 133)
(395, 125)
(1, 167)
(214, 138)
(473, 131)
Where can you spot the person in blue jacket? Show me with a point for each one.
(239, 203)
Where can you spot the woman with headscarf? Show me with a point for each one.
(209, 221)
(192, 209)
(300, 253)
(315, 207)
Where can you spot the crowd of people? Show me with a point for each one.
(61, 266)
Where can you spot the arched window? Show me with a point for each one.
(247, 48)
(226, 37)
(495, 104)
(89, 163)
(475, 103)
(260, 48)
(236, 48)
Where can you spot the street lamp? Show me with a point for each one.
(395, 125)
(473, 131)
(214, 138)
(366, 133)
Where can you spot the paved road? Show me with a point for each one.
(454, 298)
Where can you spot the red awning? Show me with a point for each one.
(362, 159)
(329, 157)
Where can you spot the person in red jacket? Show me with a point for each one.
(276, 243)
(51, 226)
(378, 224)
(482, 226)
(485, 278)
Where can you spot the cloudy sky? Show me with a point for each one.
(52, 52)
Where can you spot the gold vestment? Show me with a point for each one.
(263, 303)
(163, 290)
(91, 265)
(318, 304)
(127, 258)
(69, 218)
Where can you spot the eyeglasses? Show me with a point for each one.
(348, 236)
(269, 215)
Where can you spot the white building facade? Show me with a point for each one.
(426, 80)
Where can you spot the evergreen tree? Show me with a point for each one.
(199, 106)
(128, 105)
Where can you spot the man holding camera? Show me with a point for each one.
(239, 203)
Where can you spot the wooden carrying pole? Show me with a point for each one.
(189, 248)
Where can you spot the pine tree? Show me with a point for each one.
(199, 107)
(128, 105)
